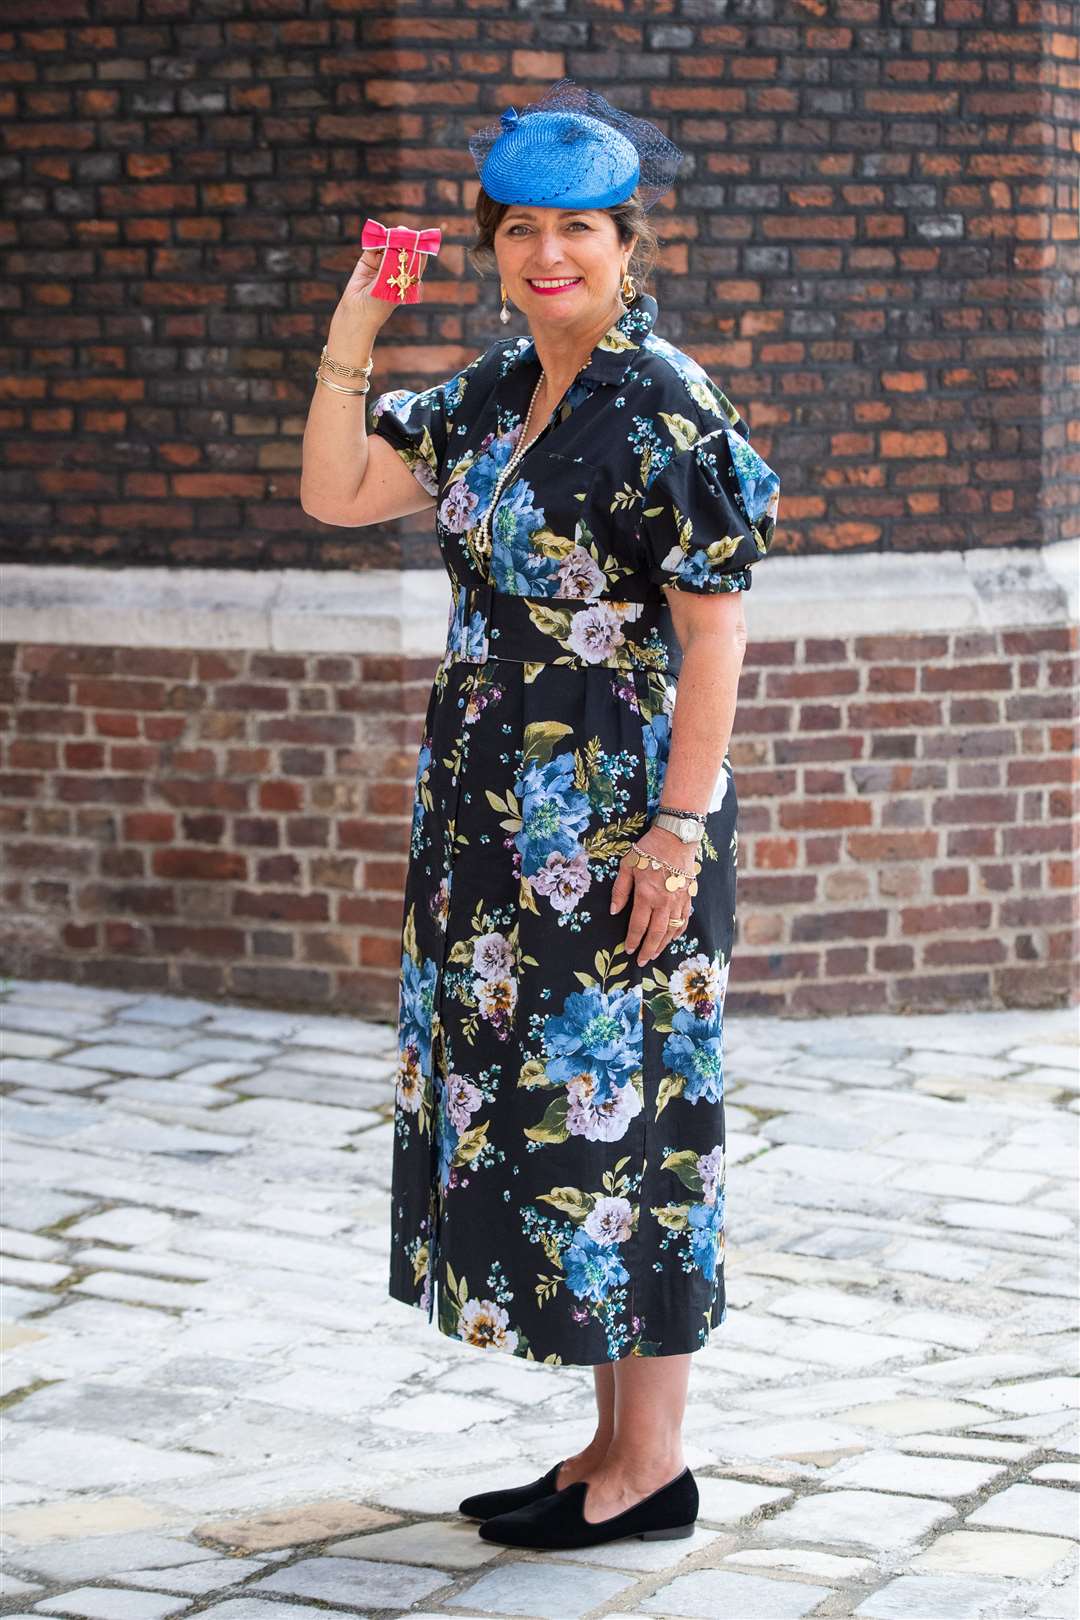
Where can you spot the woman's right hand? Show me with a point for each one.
(356, 301)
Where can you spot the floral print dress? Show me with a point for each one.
(559, 1166)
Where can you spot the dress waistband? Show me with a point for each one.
(604, 632)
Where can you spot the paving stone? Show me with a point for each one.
(729, 1501)
(48, 1122)
(170, 1099)
(292, 1526)
(829, 1305)
(952, 1262)
(439, 1543)
(112, 1603)
(977, 1369)
(804, 1561)
(1066, 1473)
(1054, 1430)
(862, 1336)
(993, 1552)
(353, 1580)
(1055, 1277)
(246, 1608)
(149, 1061)
(16, 1044)
(32, 1273)
(921, 1146)
(11, 1586)
(905, 1416)
(440, 1414)
(128, 1226)
(195, 1580)
(97, 1461)
(957, 1181)
(647, 1557)
(707, 1593)
(547, 1591)
(913, 1476)
(956, 1596)
(1035, 1222)
(963, 1445)
(48, 1075)
(866, 1518)
(946, 1328)
(136, 1290)
(1039, 1508)
(842, 1243)
(1036, 1395)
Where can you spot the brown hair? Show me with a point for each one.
(630, 218)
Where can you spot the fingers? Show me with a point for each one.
(656, 937)
(655, 919)
(621, 888)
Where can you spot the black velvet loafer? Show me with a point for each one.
(487, 1504)
(559, 1520)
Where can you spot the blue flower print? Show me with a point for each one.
(553, 812)
(706, 1223)
(417, 1007)
(518, 569)
(470, 495)
(695, 1050)
(592, 1269)
(600, 1032)
(656, 738)
(467, 640)
(760, 485)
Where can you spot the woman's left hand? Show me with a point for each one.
(659, 914)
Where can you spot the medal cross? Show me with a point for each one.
(402, 281)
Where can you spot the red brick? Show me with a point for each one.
(150, 827)
(280, 795)
(281, 907)
(202, 865)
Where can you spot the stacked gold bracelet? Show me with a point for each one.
(678, 877)
(343, 371)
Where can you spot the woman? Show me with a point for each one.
(559, 1148)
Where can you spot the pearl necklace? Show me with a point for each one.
(483, 534)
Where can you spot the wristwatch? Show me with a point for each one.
(687, 828)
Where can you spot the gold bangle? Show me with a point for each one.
(338, 389)
(342, 370)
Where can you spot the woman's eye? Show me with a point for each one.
(511, 230)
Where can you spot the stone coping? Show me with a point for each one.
(385, 610)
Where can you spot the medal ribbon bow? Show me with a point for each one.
(380, 236)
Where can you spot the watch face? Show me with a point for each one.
(688, 832)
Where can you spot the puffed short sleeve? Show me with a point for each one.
(710, 514)
(415, 425)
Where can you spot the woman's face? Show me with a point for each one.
(561, 266)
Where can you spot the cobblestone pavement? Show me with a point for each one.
(213, 1408)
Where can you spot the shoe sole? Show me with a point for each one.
(675, 1534)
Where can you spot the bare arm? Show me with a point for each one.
(348, 478)
(712, 634)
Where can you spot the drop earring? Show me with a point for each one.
(629, 288)
(504, 313)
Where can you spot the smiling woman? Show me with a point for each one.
(632, 224)
(559, 1141)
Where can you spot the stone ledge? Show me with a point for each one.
(404, 611)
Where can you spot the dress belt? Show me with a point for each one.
(604, 632)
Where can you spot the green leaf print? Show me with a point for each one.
(553, 1127)
(685, 1166)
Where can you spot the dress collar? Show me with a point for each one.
(613, 355)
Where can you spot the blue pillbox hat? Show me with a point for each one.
(572, 149)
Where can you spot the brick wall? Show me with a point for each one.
(873, 247)
(235, 822)
(210, 822)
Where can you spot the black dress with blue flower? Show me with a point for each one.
(559, 1166)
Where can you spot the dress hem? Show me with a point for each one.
(563, 1361)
